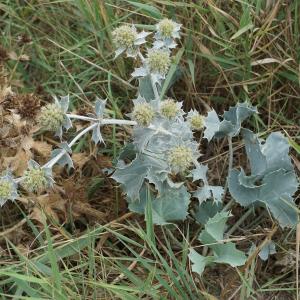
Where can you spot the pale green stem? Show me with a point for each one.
(230, 163)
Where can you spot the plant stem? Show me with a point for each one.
(84, 118)
(55, 159)
(117, 122)
(154, 88)
(103, 121)
(230, 163)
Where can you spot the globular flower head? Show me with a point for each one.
(52, 117)
(124, 36)
(180, 158)
(169, 108)
(37, 179)
(195, 120)
(158, 61)
(167, 32)
(166, 28)
(143, 114)
(8, 188)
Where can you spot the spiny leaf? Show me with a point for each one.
(171, 206)
(199, 262)
(214, 228)
(212, 236)
(228, 254)
(206, 210)
(267, 250)
(232, 121)
(273, 181)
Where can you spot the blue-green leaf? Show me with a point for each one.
(273, 181)
(267, 250)
(232, 121)
(214, 228)
(172, 205)
(206, 210)
(228, 254)
(199, 262)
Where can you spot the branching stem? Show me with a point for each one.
(55, 159)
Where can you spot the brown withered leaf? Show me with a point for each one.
(42, 148)
(5, 92)
(17, 163)
(14, 56)
(80, 159)
(52, 204)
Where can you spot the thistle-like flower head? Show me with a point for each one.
(195, 120)
(158, 61)
(37, 179)
(180, 158)
(53, 116)
(126, 38)
(8, 188)
(143, 112)
(169, 108)
(166, 33)
(166, 28)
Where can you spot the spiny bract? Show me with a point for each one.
(124, 36)
(158, 61)
(52, 117)
(143, 114)
(180, 158)
(169, 108)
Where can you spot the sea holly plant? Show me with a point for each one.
(159, 170)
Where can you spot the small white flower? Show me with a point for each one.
(127, 39)
(166, 33)
(53, 116)
(37, 179)
(8, 188)
(195, 120)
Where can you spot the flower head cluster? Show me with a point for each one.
(8, 188)
(166, 32)
(53, 116)
(196, 120)
(169, 108)
(37, 179)
(180, 158)
(126, 38)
